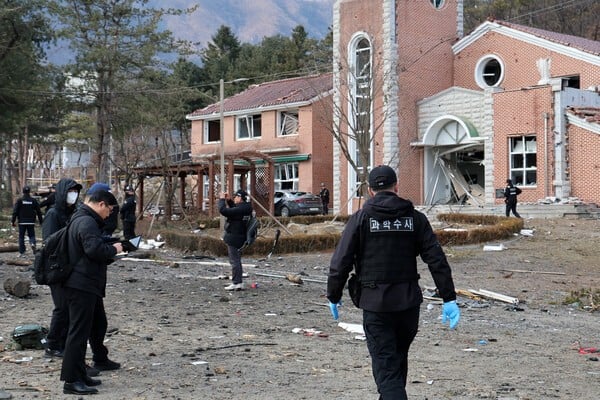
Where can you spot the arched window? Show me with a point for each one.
(360, 107)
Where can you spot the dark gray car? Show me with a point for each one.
(289, 203)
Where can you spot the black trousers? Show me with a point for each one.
(512, 206)
(59, 324)
(87, 319)
(128, 230)
(30, 231)
(389, 336)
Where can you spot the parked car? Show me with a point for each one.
(289, 203)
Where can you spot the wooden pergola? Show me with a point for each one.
(256, 172)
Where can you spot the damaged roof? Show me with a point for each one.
(303, 89)
(589, 114)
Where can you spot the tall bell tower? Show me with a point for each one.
(388, 55)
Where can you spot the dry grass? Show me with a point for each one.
(481, 228)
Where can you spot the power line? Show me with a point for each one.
(166, 91)
(556, 7)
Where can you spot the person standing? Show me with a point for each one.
(510, 193)
(57, 217)
(50, 199)
(25, 210)
(381, 242)
(85, 288)
(324, 195)
(128, 213)
(237, 212)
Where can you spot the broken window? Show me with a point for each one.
(523, 160)
(248, 127)
(212, 131)
(288, 123)
(286, 176)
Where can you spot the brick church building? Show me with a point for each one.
(457, 114)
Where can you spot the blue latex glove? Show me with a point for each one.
(450, 313)
(333, 307)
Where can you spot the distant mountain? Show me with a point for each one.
(251, 20)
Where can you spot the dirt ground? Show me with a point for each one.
(179, 335)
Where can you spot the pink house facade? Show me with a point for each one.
(458, 115)
(287, 122)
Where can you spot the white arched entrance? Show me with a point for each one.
(453, 156)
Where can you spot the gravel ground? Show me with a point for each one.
(179, 335)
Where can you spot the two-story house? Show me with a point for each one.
(277, 135)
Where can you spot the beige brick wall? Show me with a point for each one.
(519, 60)
(518, 113)
(584, 164)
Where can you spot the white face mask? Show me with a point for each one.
(72, 197)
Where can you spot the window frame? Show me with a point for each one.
(525, 173)
(291, 174)
(206, 133)
(360, 82)
(480, 71)
(281, 117)
(438, 4)
(256, 121)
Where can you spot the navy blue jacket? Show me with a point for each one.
(26, 209)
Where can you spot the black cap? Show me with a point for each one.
(242, 194)
(26, 189)
(382, 176)
(509, 181)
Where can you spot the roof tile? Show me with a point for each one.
(274, 93)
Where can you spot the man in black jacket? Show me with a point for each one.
(85, 288)
(237, 212)
(324, 195)
(25, 210)
(128, 213)
(381, 242)
(66, 196)
(510, 193)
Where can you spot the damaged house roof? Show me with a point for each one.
(303, 89)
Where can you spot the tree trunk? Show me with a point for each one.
(8, 248)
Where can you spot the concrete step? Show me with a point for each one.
(525, 210)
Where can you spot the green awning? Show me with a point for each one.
(279, 159)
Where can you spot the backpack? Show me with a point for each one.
(252, 225)
(30, 336)
(51, 264)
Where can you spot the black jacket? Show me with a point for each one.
(88, 252)
(128, 209)
(26, 209)
(49, 201)
(511, 192)
(388, 297)
(112, 222)
(237, 215)
(59, 214)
